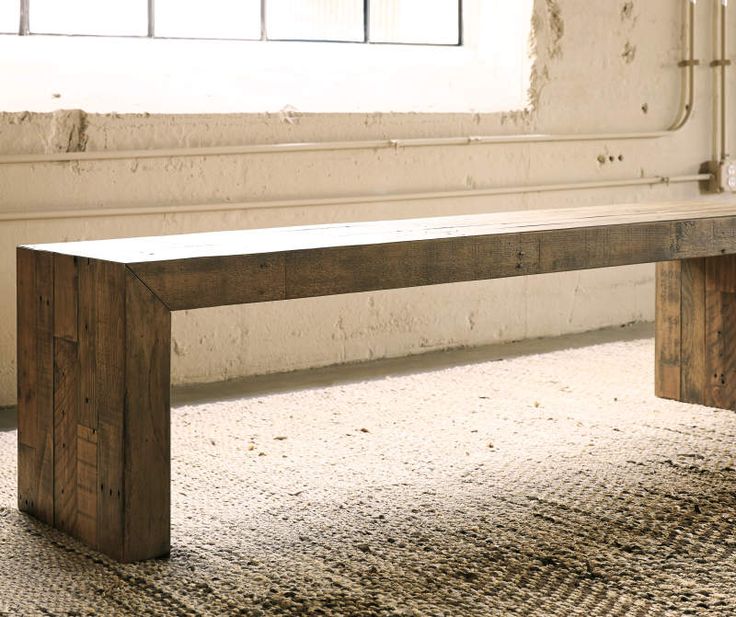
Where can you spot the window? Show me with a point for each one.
(171, 73)
(355, 21)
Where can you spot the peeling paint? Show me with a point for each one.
(557, 28)
(629, 52)
(627, 11)
(68, 131)
(547, 32)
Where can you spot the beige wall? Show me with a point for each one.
(599, 67)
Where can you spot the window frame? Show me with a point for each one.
(24, 29)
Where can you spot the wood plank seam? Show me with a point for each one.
(147, 286)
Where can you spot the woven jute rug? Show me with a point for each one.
(487, 483)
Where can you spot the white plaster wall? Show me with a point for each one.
(585, 78)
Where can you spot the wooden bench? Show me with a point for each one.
(94, 329)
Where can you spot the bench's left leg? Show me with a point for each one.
(35, 294)
(93, 403)
(696, 331)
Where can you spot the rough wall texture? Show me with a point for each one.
(602, 66)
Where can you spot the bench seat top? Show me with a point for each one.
(285, 239)
(238, 267)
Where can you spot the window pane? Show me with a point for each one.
(9, 16)
(111, 17)
(415, 21)
(315, 20)
(214, 19)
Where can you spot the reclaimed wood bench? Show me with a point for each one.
(94, 329)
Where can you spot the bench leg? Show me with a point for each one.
(696, 331)
(93, 404)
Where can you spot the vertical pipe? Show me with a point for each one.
(24, 25)
(689, 66)
(366, 21)
(264, 33)
(460, 24)
(151, 18)
(724, 79)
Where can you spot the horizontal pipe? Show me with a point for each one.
(339, 201)
(332, 146)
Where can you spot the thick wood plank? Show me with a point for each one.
(319, 272)
(213, 269)
(667, 330)
(66, 392)
(66, 289)
(109, 404)
(35, 384)
(190, 283)
(693, 330)
(720, 305)
(66, 404)
(87, 318)
(286, 239)
(696, 331)
(86, 524)
(147, 435)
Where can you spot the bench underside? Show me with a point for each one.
(94, 330)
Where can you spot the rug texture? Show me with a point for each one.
(493, 483)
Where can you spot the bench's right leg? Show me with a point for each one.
(93, 403)
(696, 331)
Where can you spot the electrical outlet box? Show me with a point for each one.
(722, 176)
(726, 175)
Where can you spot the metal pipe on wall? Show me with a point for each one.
(724, 63)
(683, 115)
(350, 200)
(688, 65)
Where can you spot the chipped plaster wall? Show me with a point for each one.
(601, 66)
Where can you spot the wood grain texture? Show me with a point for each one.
(66, 392)
(66, 404)
(66, 290)
(109, 404)
(341, 267)
(147, 430)
(288, 239)
(86, 524)
(693, 330)
(215, 281)
(35, 294)
(667, 340)
(720, 307)
(696, 331)
(86, 329)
